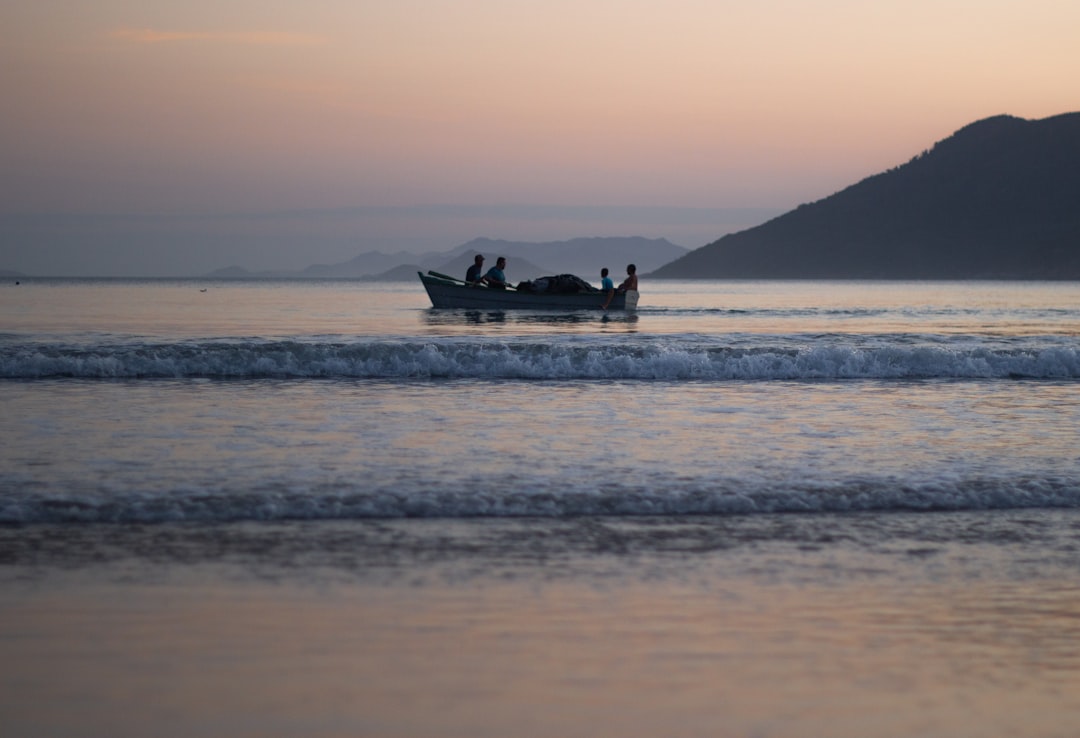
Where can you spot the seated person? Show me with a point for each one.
(630, 283)
(495, 276)
(472, 276)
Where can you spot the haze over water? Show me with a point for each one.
(751, 508)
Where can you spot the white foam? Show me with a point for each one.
(804, 360)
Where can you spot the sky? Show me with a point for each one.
(145, 137)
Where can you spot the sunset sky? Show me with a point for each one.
(185, 136)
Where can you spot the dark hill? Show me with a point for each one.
(999, 199)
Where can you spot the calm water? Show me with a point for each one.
(750, 508)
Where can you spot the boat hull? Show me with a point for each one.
(447, 294)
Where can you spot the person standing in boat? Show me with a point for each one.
(495, 276)
(607, 287)
(473, 275)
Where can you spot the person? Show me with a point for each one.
(472, 276)
(607, 287)
(629, 286)
(495, 276)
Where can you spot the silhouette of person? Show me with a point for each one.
(607, 287)
(472, 276)
(495, 276)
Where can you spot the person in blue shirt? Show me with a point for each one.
(607, 287)
(472, 276)
(495, 276)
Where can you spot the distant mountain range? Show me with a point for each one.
(999, 199)
(525, 260)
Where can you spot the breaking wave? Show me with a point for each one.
(450, 359)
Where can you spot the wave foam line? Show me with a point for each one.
(852, 496)
(400, 360)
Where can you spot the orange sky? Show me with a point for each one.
(237, 105)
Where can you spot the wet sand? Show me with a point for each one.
(759, 640)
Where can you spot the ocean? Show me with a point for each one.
(749, 508)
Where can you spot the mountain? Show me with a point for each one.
(999, 199)
(583, 256)
(370, 263)
(366, 264)
(400, 273)
(517, 269)
(526, 260)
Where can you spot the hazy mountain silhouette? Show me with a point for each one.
(366, 264)
(518, 268)
(999, 199)
(527, 260)
(582, 256)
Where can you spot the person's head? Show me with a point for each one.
(500, 262)
(478, 259)
(631, 269)
(603, 272)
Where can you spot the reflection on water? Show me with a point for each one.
(476, 316)
(617, 318)
(586, 320)
(568, 643)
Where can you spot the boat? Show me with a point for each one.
(448, 292)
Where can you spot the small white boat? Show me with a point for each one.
(447, 292)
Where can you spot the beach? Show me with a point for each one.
(749, 509)
(814, 626)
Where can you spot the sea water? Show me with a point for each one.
(747, 508)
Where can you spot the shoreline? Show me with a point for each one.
(819, 632)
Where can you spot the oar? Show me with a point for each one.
(462, 281)
(445, 276)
